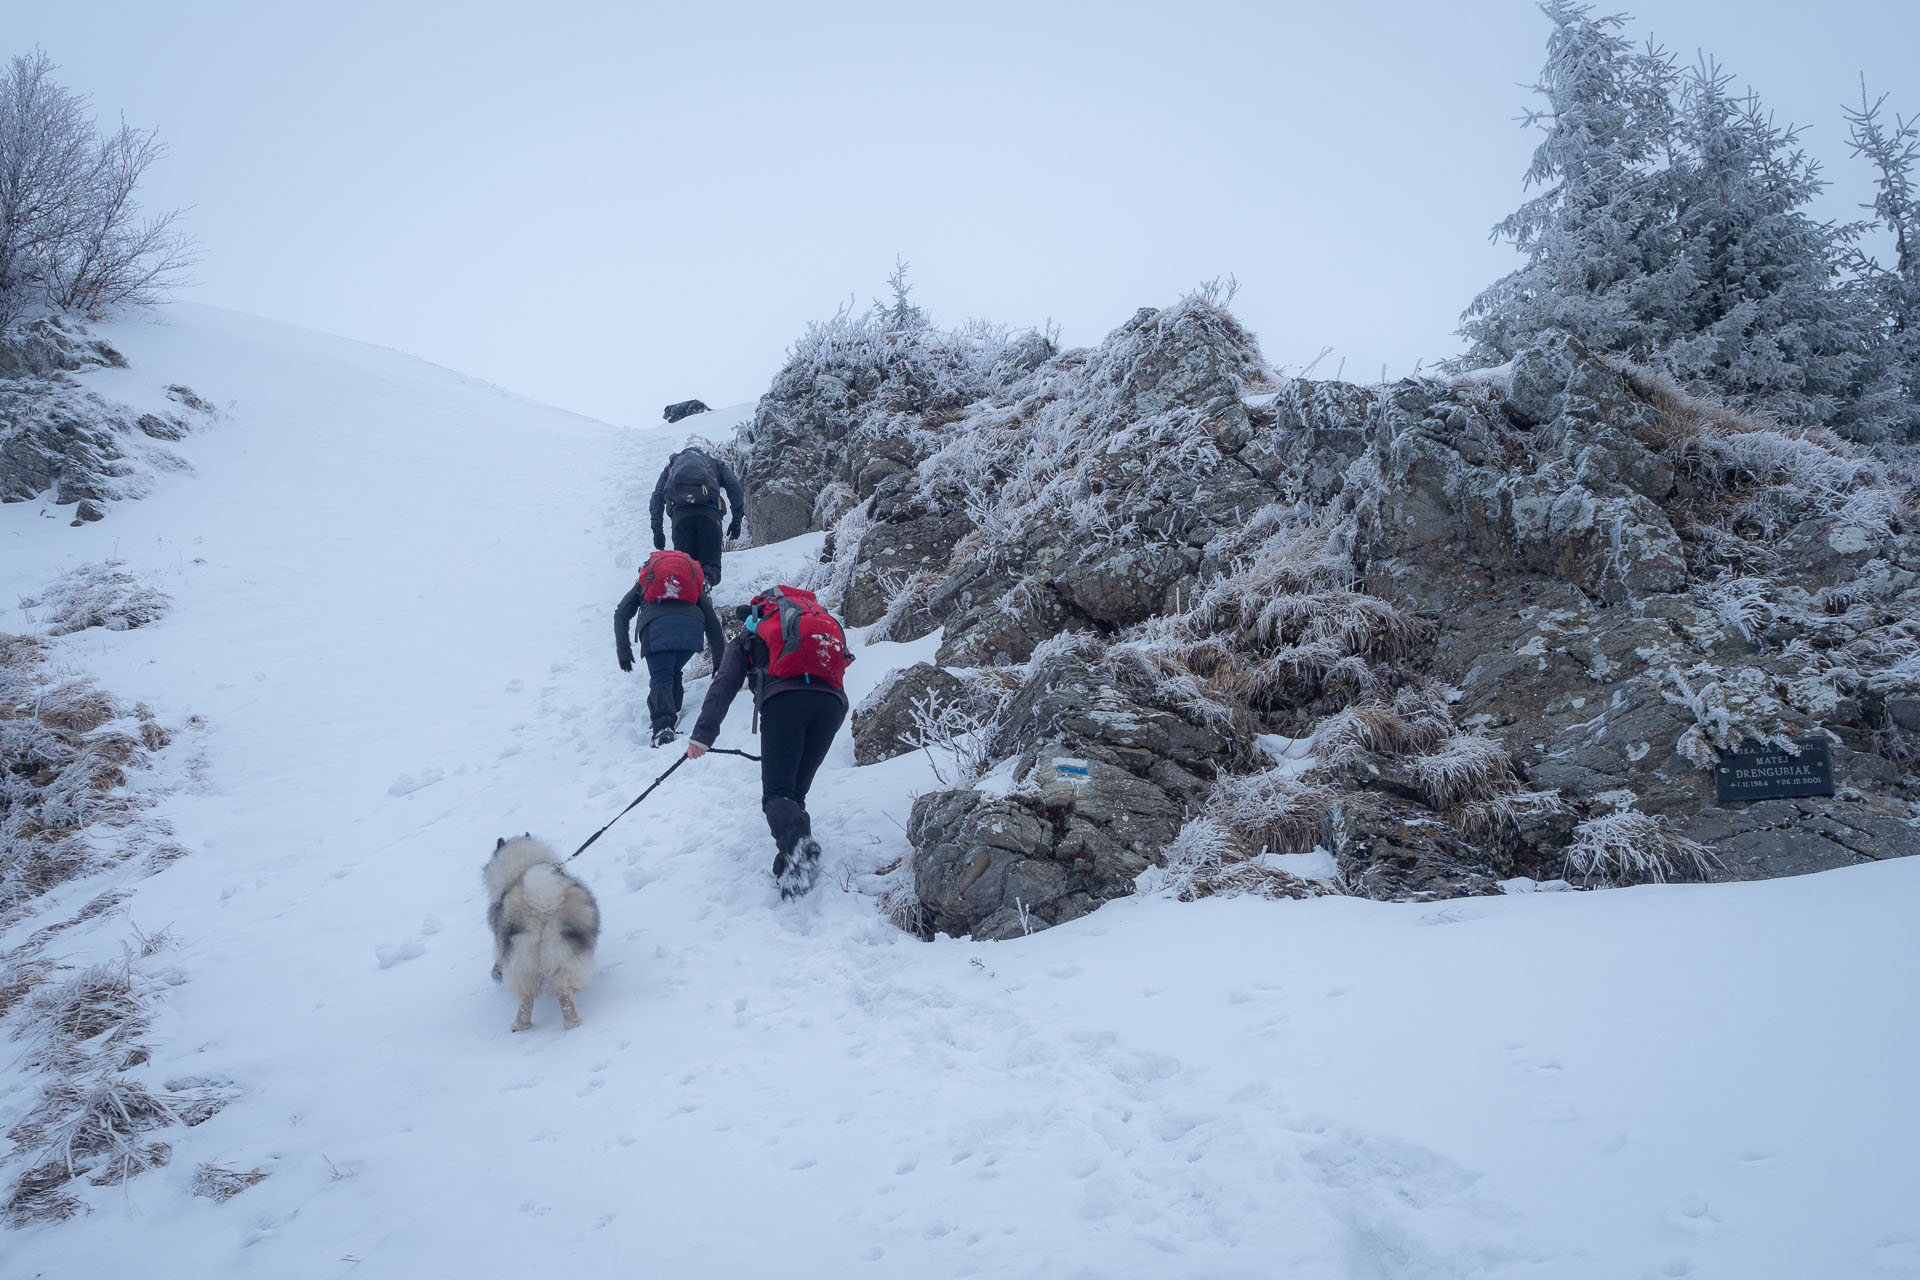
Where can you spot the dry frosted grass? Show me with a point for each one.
(1465, 767)
(19, 977)
(1490, 818)
(218, 1182)
(1284, 624)
(1417, 719)
(97, 595)
(1685, 414)
(1273, 811)
(65, 748)
(99, 999)
(65, 813)
(1630, 847)
(1761, 478)
(93, 1125)
(41, 1195)
(1206, 859)
(1152, 664)
(899, 903)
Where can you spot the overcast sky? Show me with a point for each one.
(610, 206)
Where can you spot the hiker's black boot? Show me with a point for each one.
(661, 712)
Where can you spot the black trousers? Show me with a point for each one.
(796, 728)
(698, 534)
(665, 690)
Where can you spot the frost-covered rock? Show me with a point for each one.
(1515, 616)
(50, 344)
(1050, 852)
(57, 438)
(906, 533)
(883, 723)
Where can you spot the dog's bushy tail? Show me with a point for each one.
(545, 886)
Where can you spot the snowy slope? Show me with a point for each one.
(393, 589)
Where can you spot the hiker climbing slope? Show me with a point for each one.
(795, 653)
(671, 615)
(688, 494)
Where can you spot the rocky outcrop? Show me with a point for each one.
(859, 401)
(998, 866)
(906, 533)
(48, 345)
(58, 439)
(1492, 616)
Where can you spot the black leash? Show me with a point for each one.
(723, 751)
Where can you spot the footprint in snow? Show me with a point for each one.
(1694, 1214)
(408, 783)
(390, 954)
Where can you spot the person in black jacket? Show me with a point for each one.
(688, 494)
(670, 633)
(798, 720)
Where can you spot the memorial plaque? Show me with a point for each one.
(1761, 772)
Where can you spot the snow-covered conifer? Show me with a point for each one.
(1893, 292)
(1673, 231)
(1598, 237)
(1763, 322)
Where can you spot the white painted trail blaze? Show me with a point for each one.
(393, 597)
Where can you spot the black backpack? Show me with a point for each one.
(692, 481)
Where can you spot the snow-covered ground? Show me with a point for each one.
(392, 598)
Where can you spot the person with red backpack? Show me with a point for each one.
(689, 494)
(795, 654)
(674, 615)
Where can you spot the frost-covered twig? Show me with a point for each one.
(953, 733)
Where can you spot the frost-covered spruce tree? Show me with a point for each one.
(1598, 237)
(1893, 293)
(1674, 232)
(1763, 321)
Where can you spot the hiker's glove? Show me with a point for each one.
(626, 662)
(733, 530)
(659, 542)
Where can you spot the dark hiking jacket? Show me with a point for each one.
(736, 498)
(669, 624)
(746, 652)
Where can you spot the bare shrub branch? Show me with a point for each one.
(72, 236)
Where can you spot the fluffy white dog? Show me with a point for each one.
(544, 926)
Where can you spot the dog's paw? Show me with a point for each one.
(523, 1025)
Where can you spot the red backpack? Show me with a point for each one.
(802, 638)
(672, 575)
